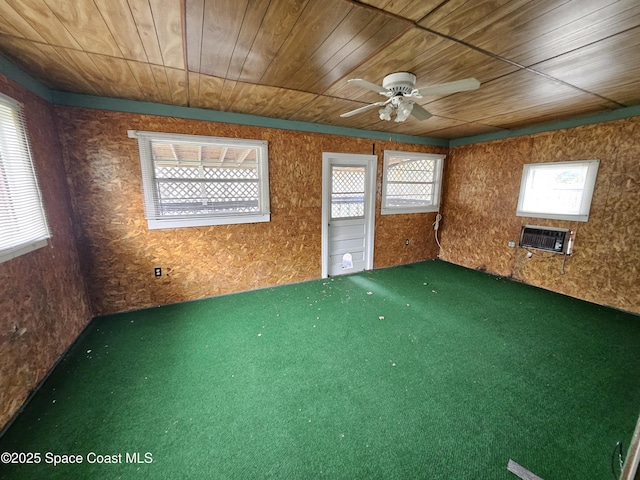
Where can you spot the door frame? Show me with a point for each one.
(356, 160)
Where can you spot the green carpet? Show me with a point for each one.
(424, 371)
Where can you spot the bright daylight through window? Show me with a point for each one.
(23, 224)
(193, 181)
(558, 190)
(411, 182)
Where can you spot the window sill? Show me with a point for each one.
(405, 210)
(14, 252)
(165, 223)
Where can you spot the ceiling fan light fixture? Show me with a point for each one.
(385, 113)
(404, 110)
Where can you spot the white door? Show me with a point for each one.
(348, 212)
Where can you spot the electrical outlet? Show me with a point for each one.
(406, 242)
(511, 244)
(158, 271)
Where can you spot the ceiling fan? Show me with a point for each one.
(400, 89)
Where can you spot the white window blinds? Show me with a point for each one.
(23, 225)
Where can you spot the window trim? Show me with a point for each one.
(437, 182)
(156, 221)
(37, 236)
(587, 191)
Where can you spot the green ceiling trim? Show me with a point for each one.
(132, 106)
(608, 116)
(15, 73)
(18, 75)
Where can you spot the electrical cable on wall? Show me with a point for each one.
(564, 258)
(531, 254)
(436, 225)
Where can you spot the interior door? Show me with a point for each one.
(348, 212)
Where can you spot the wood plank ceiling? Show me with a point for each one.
(538, 61)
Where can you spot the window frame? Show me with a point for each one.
(437, 182)
(586, 198)
(156, 220)
(26, 219)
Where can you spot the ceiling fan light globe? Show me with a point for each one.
(385, 113)
(404, 110)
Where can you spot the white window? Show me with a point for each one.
(411, 182)
(557, 190)
(23, 224)
(192, 181)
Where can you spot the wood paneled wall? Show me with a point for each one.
(43, 302)
(481, 195)
(119, 253)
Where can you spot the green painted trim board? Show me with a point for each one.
(618, 114)
(131, 106)
(88, 101)
(10, 70)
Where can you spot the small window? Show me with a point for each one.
(23, 224)
(411, 182)
(347, 191)
(558, 190)
(191, 181)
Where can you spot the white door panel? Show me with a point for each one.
(346, 237)
(345, 246)
(348, 228)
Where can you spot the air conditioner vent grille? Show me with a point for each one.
(545, 238)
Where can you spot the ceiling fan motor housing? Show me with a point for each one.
(400, 83)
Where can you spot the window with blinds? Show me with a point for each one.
(411, 182)
(23, 223)
(197, 181)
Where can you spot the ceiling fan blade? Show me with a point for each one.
(450, 87)
(419, 112)
(362, 109)
(368, 85)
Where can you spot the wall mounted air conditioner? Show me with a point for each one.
(548, 239)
